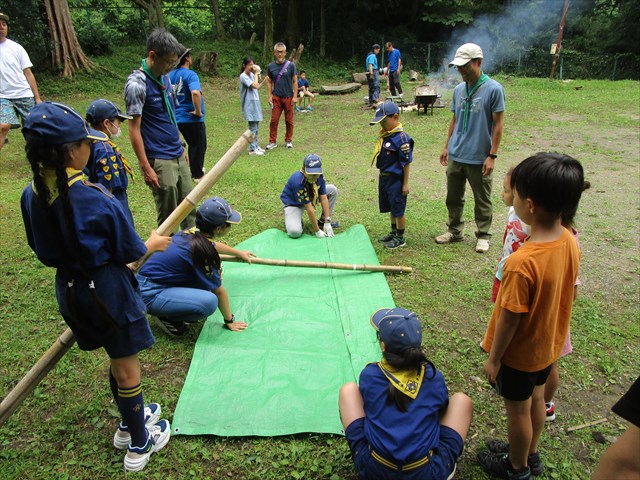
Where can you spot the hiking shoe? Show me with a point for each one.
(288, 144)
(122, 437)
(448, 237)
(395, 242)
(173, 327)
(533, 460)
(387, 238)
(256, 152)
(158, 436)
(499, 465)
(551, 411)
(271, 146)
(482, 245)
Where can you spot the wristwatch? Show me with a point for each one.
(493, 155)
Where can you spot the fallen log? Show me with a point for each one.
(339, 89)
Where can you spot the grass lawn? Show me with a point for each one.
(64, 429)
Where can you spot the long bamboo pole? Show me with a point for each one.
(65, 341)
(311, 264)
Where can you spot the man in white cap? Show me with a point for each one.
(472, 145)
(18, 87)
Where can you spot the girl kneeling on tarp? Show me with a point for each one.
(184, 284)
(400, 422)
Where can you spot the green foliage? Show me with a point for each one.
(28, 27)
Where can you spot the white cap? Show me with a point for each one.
(467, 52)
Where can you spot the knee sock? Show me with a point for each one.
(114, 387)
(400, 232)
(131, 406)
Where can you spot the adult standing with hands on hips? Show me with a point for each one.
(282, 92)
(472, 145)
(153, 130)
(190, 112)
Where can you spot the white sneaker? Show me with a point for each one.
(288, 145)
(258, 148)
(271, 146)
(482, 246)
(256, 152)
(122, 437)
(138, 457)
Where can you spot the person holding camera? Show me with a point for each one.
(371, 65)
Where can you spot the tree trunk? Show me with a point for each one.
(154, 11)
(222, 35)
(293, 23)
(66, 54)
(267, 54)
(323, 30)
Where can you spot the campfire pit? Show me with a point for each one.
(425, 97)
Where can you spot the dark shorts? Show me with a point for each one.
(125, 330)
(516, 385)
(439, 466)
(390, 198)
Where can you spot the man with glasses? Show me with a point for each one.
(153, 130)
(282, 92)
(472, 145)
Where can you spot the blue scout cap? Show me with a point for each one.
(387, 108)
(55, 124)
(312, 164)
(399, 328)
(102, 109)
(216, 211)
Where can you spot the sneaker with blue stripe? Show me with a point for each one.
(137, 457)
(122, 437)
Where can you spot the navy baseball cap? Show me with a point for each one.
(375, 45)
(216, 211)
(312, 164)
(387, 108)
(399, 328)
(102, 109)
(55, 124)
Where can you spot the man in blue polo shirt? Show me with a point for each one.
(394, 67)
(371, 66)
(153, 130)
(190, 112)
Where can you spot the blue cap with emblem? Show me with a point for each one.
(399, 329)
(102, 109)
(54, 123)
(312, 164)
(216, 211)
(387, 108)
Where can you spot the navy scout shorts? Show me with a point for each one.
(390, 198)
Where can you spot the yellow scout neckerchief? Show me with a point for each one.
(384, 134)
(125, 162)
(49, 178)
(407, 381)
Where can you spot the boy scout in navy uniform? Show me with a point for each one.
(107, 166)
(303, 191)
(393, 155)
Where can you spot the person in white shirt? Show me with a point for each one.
(18, 88)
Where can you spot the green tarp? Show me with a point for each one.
(309, 332)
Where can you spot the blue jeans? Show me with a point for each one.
(253, 126)
(179, 303)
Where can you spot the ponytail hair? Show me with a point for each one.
(204, 254)
(409, 359)
(245, 61)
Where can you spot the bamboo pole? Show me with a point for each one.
(65, 341)
(311, 264)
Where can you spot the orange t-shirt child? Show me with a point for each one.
(538, 281)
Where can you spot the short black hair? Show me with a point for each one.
(553, 181)
(302, 71)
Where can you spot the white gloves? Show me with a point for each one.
(321, 234)
(328, 229)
